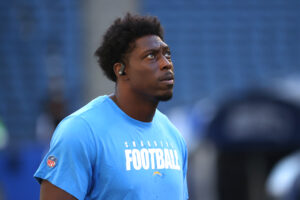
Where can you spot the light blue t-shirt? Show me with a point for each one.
(101, 153)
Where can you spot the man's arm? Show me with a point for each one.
(50, 192)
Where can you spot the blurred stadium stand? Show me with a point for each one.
(223, 46)
(40, 41)
(251, 133)
(17, 167)
(39, 54)
(219, 48)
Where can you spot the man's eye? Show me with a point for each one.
(150, 56)
(168, 55)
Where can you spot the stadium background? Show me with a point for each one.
(226, 53)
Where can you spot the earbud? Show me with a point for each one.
(122, 70)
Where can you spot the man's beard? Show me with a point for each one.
(165, 97)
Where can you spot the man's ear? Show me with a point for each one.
(117, 67)
(119, 70)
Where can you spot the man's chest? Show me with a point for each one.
(140, 165)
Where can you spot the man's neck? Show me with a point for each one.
(134, 106)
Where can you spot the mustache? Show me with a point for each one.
(167, 76)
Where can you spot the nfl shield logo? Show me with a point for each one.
(51, 161)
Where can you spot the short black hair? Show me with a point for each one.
(118, 39)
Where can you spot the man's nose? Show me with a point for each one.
(165, 63)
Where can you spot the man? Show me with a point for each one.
(120, 146)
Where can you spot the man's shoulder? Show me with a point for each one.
(162, 118)
(160, 115)
(96, 111)
(167, 124)
(93, 107)
(82, 122)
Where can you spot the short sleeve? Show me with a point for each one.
(69, 162)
